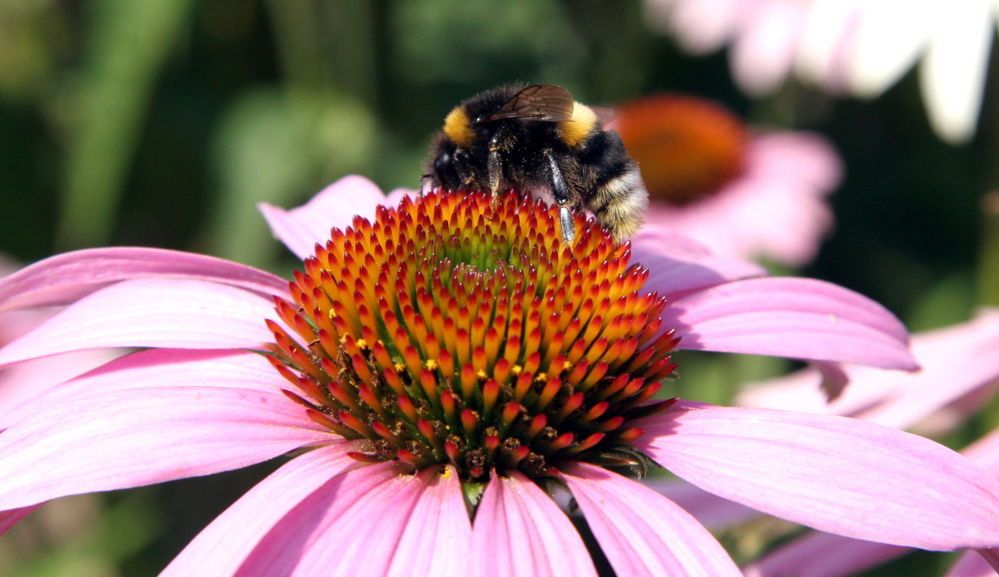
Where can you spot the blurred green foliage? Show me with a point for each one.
(164, 123)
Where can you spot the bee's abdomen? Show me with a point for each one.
(618, 198)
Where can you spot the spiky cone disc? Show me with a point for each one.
(461, 329)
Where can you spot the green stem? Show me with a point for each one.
(988, 272)
(127, 46)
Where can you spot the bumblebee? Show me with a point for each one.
(538, 139)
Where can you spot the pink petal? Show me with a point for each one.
(710, 510)
(158, 368)
(438, 534)
(519, 530)
(678, 264)
(802, 157)
(14, 324)
(824, 555)
(790, 317)
(802, 391)
(972, 564)
(181, 368)
(101, 441)
(226, 543)
(288, 540)
(10, 518)
(985, 452)
(151, 313)
(67, 277)
(838, 475)
(956, 361)
(396, 524)
(25, 382)
(334, 207)
(642, 532)
(935, 391)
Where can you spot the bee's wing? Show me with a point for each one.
(545, 102)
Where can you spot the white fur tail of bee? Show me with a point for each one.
(622, 203)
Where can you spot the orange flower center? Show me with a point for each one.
(455, 329)
(686, 148)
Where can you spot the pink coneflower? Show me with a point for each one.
(449, 353)
(741, 192)
(860, 46)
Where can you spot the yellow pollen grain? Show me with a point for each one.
(399, 367)
(458, 128)
(566, 366)
(516, 369)
(430, 365)
(578, 128)
(540, 378)
(343, 339)
(481, 374)
(447, 473)
(362, 344)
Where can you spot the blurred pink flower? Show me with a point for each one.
(860, 46)
(958, 364)
(203, 399)
(959, 371)
(742, 193)
(766, 35)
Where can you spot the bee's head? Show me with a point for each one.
(451, 164)
(442, 167)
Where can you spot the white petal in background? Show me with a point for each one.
(889, 38)
(952, 75)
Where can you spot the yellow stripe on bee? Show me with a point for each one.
(458, 128)
(575, 131)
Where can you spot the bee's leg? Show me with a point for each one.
(494, 168)
(568, 225)
(560, 190)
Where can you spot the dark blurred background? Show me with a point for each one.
(163, 123)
